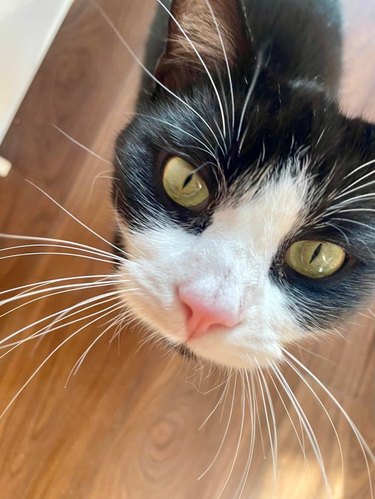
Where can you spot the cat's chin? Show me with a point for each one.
(214, 349)
(233, 356)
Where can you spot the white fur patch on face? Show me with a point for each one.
(230, 261)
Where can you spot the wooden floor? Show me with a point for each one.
(128, 424)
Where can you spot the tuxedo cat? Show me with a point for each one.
(245, 199)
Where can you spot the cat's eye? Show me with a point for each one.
(183, 184)
(315, 259)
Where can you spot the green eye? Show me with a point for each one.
(315, 259)
(183, 185)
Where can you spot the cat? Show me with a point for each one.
(244, 197)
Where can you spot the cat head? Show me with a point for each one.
(244, 198)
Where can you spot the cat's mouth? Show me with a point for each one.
(240, 346)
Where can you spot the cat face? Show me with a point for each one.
(244, 201)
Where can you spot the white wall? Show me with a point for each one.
(27, 29)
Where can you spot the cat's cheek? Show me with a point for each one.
(152, 301)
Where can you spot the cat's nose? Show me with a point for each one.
(203, 314)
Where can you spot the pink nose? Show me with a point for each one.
(203, 314)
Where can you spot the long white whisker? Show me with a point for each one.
(75, 218)
(324, 409)
(273, 441)
(300, 441)
(361, 179)
(223, 133)
(55, 314)
(226, 60)
(355, 222)
(80, 361)
(252, 438)
(359, 168)
(225, 432)
(239, 438)
(366, 451)
(60, 241)
(55, 253)
(79, 144)
(256, 406)
(206, 392)
(14, 398)
(36, 285)
(63, 246)
(247, 99)
(64, 291)
(70, 287)
(220, 400)
(46, 330)
(132, 53)
(345, 193)
(305, 423)
(205, 145)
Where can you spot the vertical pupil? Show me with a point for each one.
(316, 253)
(187, 181)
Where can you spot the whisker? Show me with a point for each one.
(36, 285)
(54, 288)
(305, 423)
(247, 99)
(55, 314)
(220, 400)
(356, 222)
(54, 351)
(354, 190)
(361, 179)
(252, 438)
(75, 218)
(123, 317)
(239, 438)
(80, 361)
(324, 409)
(273, 441)
(206, 146)
(63, 246)
(54, 253)
(65, 290)
(46, 330)
(139, 62)
(222, 133)
(79, 144)
(300, 441)
(225, 432)
(256, 405)
(206, 392)
(366, 451)
(359, 168)
(226, 61)
(60, 241)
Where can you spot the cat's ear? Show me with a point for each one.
(199, 33)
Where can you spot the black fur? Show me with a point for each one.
(292, 113)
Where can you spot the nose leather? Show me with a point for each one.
(203, 314)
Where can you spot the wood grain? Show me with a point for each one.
(127, 425)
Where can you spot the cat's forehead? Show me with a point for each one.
(264, 216)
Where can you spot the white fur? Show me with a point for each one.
(231, 259)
